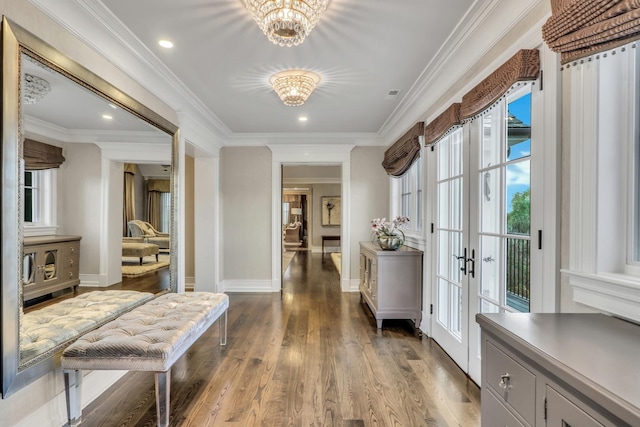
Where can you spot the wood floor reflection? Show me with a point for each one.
(309, 357)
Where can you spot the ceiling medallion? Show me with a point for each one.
(286, 22)
(34, 88)
(294, 86)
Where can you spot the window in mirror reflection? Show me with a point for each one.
(165, 212)
(37, 196)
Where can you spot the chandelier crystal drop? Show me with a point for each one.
(286, 22)
(294, 86)
(34, 88)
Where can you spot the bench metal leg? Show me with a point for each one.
(222, 323)
(163, 386)
(72, 386)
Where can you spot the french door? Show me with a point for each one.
(482, 228)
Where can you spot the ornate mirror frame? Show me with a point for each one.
(15, 41)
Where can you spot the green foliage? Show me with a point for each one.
(519, 219)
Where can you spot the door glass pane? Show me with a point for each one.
(489, 260)
(456, 310)
(443, 254)
(487, 307)
(443, 205)
(443, 160)
(518, 192)
(443, 312)
(518, 277)
(456, 204)
(519, 128)
(490, 140)
(490, 201)
(456, 153)
(456, 251)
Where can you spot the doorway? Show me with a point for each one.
(482, 232)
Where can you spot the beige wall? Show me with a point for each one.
(318, 191)
(369, 197)
(80, 201)
(245, 192)
(189, 242)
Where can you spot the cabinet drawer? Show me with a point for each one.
(562, 412)
(511, 381)
(494, 413)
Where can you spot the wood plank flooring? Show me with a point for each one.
(309, 357)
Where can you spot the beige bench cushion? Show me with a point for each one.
(149, 338)
(44, 329)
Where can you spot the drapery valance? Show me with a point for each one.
(400, 156)
(39, 156)
(579, 28)
(130, 168)
(524, 65)
(442, 124)
(161, 185)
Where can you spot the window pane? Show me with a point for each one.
(518, 277)
(490, 140)
(443, 160)
(456, 204)
(28, 205)
(490, 264)
(443, 288)
(456, 251)
(456, 153)
(28, 178)
(519, 128)
(443, 254)
(518, 202)
(490, 201)
(443, 205)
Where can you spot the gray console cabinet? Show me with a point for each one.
(391, 282)
(50, 264)
(559, 370)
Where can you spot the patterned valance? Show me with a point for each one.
(161, 185)
(442, 124)
(39, 156)
(579, 28)
(524, 65)
(400, 156)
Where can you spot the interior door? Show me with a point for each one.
(483, 225)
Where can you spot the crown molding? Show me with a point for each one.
(330, 138)
(48, 132)
(494, 18)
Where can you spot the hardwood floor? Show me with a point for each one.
(309, 357)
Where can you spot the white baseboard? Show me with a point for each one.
(327, 249)
(246, 286)
(93, 280)
(353, 285)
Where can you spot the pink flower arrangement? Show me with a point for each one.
(382, 227)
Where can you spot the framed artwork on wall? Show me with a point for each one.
(331, 210)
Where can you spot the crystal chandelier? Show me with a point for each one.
(294, 86)
(34, 88)
(286, 22)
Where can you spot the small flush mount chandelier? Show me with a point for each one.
(294, 86)
(34, 88)
(286, 22)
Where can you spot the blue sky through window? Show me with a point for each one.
(519, 174)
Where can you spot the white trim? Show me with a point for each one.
(310, 181)
(259, 286)
(354, 285)
(309, 155)
(47, 230)
(94, 280)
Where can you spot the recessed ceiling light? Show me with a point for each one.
(302, 119)
(166, 44)
(107, 117)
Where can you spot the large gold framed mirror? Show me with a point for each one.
(67, 119)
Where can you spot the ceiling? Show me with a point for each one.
(361, 49)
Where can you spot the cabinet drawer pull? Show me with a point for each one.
(505, 381)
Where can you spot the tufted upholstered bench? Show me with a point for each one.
(150, 337)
